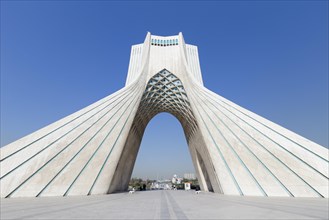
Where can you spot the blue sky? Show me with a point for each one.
(270, 57)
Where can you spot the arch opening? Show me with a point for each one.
(163, 151)
(164, 92)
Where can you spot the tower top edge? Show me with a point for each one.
(164, 37)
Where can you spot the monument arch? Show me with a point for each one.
(234, 151)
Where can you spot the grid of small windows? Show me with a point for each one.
(164, 43)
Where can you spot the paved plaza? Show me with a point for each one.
(164, 204)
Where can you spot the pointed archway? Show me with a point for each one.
(164, 92)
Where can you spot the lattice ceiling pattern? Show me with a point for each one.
(165, 93)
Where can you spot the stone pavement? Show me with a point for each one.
(164, 204)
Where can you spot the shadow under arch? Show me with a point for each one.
(164, 92)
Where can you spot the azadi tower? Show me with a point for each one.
(234, 151)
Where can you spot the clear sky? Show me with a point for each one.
(270, 57)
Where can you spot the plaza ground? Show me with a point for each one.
(164, 204)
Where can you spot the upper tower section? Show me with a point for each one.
(169, 52)
(164, 41)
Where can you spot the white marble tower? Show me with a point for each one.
(234, 151)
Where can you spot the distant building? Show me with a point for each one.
(187, 186)
(161, 184)
(176, 179)
(189, 176)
